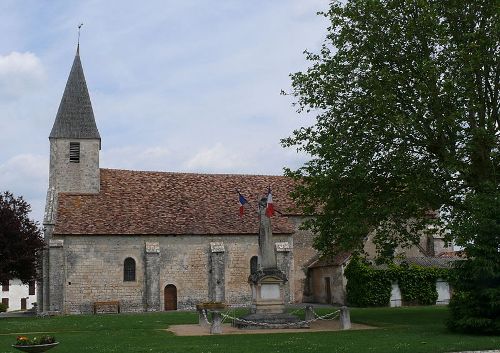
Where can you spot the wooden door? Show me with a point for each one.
(23, 303)
(170, 294)
(328, 290)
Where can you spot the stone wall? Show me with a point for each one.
(427, 246)
(65, 176)
(93, 270)
(335, 276)
(303, 253)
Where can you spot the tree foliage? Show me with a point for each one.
(407, 102)
(406, 97)
(20, 240)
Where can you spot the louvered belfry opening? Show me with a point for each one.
(74, 152)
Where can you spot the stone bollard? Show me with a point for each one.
(345, 318)
(309, 313)
(216, 327)
(202, 319)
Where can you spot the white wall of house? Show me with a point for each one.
(17, 291)
(395, 296)
(443, 289)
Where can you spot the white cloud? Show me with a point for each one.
(20, 73)
(26, 175)
(216, 159)
(136, 157)
(170, 92)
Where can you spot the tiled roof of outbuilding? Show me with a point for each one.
(75, 117)
(141, 203)
(337, 260)
(425, 261)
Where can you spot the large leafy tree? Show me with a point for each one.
(21, 240)
(406, 97)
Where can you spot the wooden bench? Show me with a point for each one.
(112, 303)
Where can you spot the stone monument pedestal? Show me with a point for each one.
(268, 302)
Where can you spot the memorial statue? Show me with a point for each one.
(267, 257)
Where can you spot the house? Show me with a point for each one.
(326, 282)
(152, 241)
(17, 295)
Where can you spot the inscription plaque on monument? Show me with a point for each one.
(270, 291)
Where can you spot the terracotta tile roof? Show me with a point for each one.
(452, 254)
(136, 202)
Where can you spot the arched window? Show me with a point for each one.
(129, 270)
(253, 264)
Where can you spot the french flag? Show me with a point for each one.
(269, 207)
(242, 201)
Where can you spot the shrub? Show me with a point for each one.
(367, 286)
(3, 307)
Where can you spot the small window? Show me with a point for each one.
(31, 288)
(74, 152)
(5, 286)
(5, 301)
(129, 270)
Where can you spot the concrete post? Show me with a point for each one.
(202, 318)
(216, 327)
(152, 276)
(309, 313)
(345, 318)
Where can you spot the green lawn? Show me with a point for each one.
(399, 330)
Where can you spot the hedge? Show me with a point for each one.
(371, 286)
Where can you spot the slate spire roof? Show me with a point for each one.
(75, 117)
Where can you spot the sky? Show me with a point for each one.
(180, 86)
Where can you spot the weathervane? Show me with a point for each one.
(78, 47)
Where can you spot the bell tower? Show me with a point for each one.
(74, 140)
(74, 168)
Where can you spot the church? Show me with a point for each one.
(152, 241)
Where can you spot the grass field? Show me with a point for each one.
(415, 329)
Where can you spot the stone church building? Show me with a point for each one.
(156, 241)
(152, 240)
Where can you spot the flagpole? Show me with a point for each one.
(256, 210)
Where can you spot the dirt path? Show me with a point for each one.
(227, 329)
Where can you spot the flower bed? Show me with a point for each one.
(35, 344)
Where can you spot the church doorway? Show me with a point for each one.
(170, 294)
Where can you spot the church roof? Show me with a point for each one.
(75, 117)
(160, 203)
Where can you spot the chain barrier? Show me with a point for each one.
(291, 324)
(318, 317)
(296, 311)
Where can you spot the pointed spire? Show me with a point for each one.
(75, 117)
